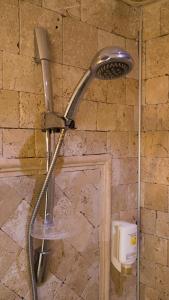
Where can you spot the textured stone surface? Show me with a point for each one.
(82, 37)
(149, 117)
(65, 7)
(155, 144)
(124, 171)
(157, 90)
(9, 109)
(9, 36)
(131, 91)
(86, 116)
(9, 252)
(106, 39)
(16, 278)
(148, 221)
(154, 249)
(18, 143)
(20, 73)
(154, 196)
(151, 21)
(31, 108)
(47, 19)
(16, 226)
(147, 273)
(157, 58)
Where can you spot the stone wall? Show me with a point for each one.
(155, 148)
(106, 123)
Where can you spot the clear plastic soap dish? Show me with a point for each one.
(61, 228)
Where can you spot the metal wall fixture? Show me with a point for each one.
(109, 63)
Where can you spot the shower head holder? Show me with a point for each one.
(55, 122)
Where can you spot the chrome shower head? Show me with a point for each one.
(111, 63)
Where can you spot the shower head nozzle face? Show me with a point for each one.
(111, 63)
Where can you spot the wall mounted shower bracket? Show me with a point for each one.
(55, 122)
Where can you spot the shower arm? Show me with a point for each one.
(76, 97)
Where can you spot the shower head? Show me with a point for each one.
(109, 63)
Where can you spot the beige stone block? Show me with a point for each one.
(144, 60)
(9, 251)
(79, 276)
(125, 118)
(162, 274)
(75, 143)
(150, 294)
(160, 172)
(132, 196)
(9, 109)
(1, 63)
(131, 91)
(107, 116)
(9, 36)
(17, 276)
(1, 142)
(71, 77)
(149, 117)
(31, 17)
(155, 196)
(164, 17)
(154, 249)
(132, 48)
(162, 224)
(119, 197)
(157, 58)
(7, 294)
(20, 73)
(64, 7)
(118, 143)
(107, 39)
(162, 116)
(10, 193)
(35, 2)
(157, 90)
(96, 142)
(57, 80)
(125, 19)
(133, 144)
(147, 273)
(16, 225)
(18, 143)
(129, 216)
(148, 221)
(55, 289)
(155, 143)
(97, 91)
(124, 171)
(116, 91)
(31, 108)
(151, 21)
(86, 116)
(12, 2)
(40, 143)
(99, 14)
(81, 36)
(62, 259)
(91, 290)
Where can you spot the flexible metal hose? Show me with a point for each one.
(35, 211)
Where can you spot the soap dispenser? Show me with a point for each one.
(123, 245)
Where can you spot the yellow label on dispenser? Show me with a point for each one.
(133, 240)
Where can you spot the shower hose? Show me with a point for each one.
(35, 211)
